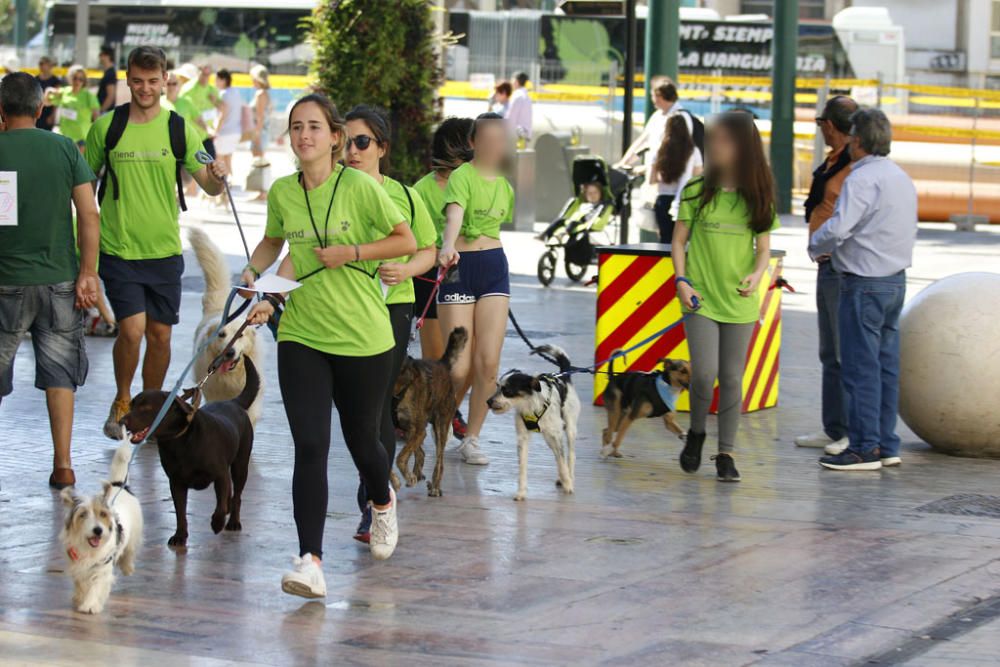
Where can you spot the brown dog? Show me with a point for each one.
(425, 395)
(635, 395)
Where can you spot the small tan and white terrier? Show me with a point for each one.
(100, 532)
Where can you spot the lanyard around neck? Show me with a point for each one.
(326, 222)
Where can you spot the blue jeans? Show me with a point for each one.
(834, 398)
(869, 353)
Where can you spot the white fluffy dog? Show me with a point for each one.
(229, 380)
(100, 532)
(545, 403)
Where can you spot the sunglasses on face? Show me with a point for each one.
(361, 142)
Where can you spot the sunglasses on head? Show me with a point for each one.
(361, 141)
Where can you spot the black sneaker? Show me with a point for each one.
(691, 454)
(725, 468)
(851, 460)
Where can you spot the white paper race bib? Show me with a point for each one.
(8, 198)
(67, 113)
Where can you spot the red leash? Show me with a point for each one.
(442, 271)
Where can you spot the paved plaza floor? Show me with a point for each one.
(644, 565)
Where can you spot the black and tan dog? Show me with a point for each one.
(425, 395)
(638, 395)
(199, 447)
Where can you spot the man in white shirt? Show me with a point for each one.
(667, 103)
(518, 113)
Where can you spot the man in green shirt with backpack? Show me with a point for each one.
(142, 148)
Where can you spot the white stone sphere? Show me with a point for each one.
(949, 376)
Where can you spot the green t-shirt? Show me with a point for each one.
(40, 250)
(185, 109)
(433, 196)
(339, 311)
(721, 253)
(200, 95)
(76, 112)
(423, 231)
(142, 222)
(487, 204)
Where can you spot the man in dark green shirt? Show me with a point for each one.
(44, 288)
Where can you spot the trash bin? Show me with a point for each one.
(523, 182)
(554, 185)
(636, 297)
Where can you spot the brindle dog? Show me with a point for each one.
(634, 395)
(425, 395)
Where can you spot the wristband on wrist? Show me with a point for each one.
(250, 267)
(357, 253)
(276, 300)
(681, 279)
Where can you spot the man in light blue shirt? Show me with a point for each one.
(870, 239)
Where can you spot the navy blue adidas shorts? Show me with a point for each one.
(150, 286)
(477, 275)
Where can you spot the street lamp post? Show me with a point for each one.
(631, 37)
(784, 51)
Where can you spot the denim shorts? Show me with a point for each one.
(150, 286)
(478, 274)
(49, 313)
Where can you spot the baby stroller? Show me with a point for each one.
(583, 224)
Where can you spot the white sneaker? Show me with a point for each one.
(816, 440)
(384, 530)
(891, 461)
(471, 454)
(306, 580)
(837, 447)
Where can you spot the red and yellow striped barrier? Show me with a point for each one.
(636, 298)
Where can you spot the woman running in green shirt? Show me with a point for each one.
(77, 106)
(335, 343)
(450, 149)
(727, 216)
(368, 137)
(476, 292)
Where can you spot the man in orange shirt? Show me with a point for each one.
(835, 124)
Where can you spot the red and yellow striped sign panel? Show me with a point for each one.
(636, 297)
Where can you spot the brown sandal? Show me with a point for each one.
(61, 478)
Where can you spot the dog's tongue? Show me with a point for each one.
(227, 366)
(137, 437)
(94, 541)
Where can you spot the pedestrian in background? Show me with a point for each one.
(499, 101)
(108, 86)
(828, 179)
(78, 107)
(870, 240)
(259, 178)
(518, 113)
(204, 96)
(46, 79)
(677, 160)
(44, 287)
(728, 216)
(228, 129)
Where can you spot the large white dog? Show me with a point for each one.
(229, 380)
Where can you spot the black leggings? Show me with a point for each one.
(400, 316)
(357, 385)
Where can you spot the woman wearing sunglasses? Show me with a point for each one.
(77, 106)
(368, 150)
(334, 339)
(476, 291)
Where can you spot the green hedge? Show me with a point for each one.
(381, 52)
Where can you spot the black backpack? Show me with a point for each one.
(178, 146)
(697, 131)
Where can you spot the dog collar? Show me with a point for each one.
(531, 421)
(73, 554)
(667, 394)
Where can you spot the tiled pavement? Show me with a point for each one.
(644, 565)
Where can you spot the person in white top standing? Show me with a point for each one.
(518, 113)
(229, 127)
(677, 160)
(666, 101)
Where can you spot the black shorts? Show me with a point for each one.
(150, 286)
(423, 289)
(478, 274)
